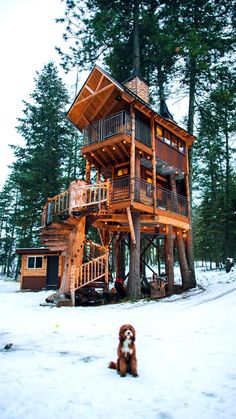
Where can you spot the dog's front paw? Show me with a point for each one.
(123, 375)
(135, 374)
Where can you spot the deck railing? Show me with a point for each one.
(113, 125)
(76, 198)
(121, 188)
(142, 133)
(88, 195)
(144, 193)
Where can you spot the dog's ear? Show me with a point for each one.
(121, 333)
(134, 332)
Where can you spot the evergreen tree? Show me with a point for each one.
(8, 214)
(40, 168)
(214, 168)
(104, 30)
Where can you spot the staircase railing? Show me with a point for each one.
(78, 196)
(95, 268)
(88, 195)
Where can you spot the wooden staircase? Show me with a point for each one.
(63, 229)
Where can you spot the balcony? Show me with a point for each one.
(144, 193)
(119, 123)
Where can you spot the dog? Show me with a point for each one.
(126, 351)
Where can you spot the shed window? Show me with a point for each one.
(35, 262)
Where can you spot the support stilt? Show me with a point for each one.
(169, 256)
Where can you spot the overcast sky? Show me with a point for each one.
(28, 34)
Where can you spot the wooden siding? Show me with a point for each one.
(36, 278)
(171, 156)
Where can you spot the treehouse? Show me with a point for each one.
(141, 190)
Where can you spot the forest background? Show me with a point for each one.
(186, 48)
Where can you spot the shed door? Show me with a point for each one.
(52, 272)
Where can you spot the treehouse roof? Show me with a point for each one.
(101, 95)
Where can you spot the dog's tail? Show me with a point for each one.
(112, 365)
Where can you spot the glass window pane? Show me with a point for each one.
(31, 261)
(39, 262)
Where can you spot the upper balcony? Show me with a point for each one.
(119, 123)
(108, 141)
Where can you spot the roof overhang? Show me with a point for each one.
(98, 98)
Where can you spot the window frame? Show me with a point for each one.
(35, 262)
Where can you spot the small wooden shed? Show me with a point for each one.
(40, 268)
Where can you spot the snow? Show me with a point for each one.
(57, 367)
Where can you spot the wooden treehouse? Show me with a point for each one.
(141, 192)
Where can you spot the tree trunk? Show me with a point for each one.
(134, 285)
(121, 269)
(190, 259)
(227, 188)
(136, 52)
(182, 260)
(169, 257)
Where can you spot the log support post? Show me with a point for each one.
(169, 257)
(132, 155)
(190, 259)
(88, 172)
(134, 285)
(184, 269)
(154, 174)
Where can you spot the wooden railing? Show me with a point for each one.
(95, 268)
(87, 195)
(57, 205)
(75, 198)
(105, 128)
(142, 133)
(144, 193)
(113, 125)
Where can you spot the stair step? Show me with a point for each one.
(95, 284)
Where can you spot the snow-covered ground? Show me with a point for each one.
(57, 367)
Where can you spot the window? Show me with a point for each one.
(170, 139)
(35, 262)
(122, 171)
(167, 137)
(159, 131)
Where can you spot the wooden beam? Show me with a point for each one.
(153, 137)
(169, 253)
(124, 149)
(94, 157)
(99, 83)
(101, 104)
(132, 154)
(89, 99)
(92, 96)
(132, 232)
(89, 89)
(88, 171)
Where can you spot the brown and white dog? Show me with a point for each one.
(126, 352)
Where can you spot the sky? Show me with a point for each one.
(28, 34)
(57, 365)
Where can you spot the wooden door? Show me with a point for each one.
(52, 272)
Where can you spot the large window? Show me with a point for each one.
(170, 139)
(35, 262)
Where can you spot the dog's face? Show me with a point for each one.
(127, 331)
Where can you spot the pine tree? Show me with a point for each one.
(214, 168)
(39, 170)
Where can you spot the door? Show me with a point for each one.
(52, 272)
